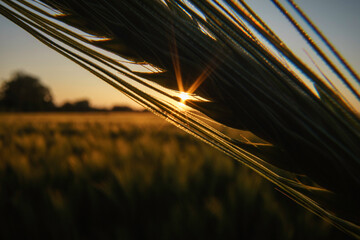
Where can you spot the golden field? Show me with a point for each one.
(133, 176)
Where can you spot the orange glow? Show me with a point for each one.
(184, 95)
(200, 80)
(176, 64)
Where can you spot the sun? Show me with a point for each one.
(183, 97)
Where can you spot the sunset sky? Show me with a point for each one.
(339, 20)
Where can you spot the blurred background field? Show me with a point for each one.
(133, 176)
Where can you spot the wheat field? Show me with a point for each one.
(133, 176)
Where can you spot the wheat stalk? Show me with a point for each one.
(205, 48)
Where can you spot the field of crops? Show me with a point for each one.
(133, 176)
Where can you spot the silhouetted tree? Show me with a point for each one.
(78, 106)
(82, 106)
(67, 107)
(25, 93)
(122, 109)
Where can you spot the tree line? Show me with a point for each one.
(26, 93)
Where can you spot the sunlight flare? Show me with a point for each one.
(183, 97)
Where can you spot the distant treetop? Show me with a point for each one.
(25, 93)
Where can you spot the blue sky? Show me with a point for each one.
(339, 20)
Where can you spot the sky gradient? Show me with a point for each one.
(339, 20)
